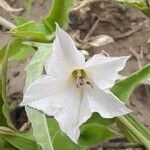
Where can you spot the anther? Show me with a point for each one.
(89, 84)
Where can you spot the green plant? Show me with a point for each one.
(36, 38)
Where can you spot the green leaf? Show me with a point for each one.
(24, 53)
(59, 13)
(8, 131)
(5, 107)
(35, 67)
(4, 145)
(124, 88)
(17, 51)
(93, 134)
(95, 130)
(37, 118)
(135, 3)
(53, 126)
(27, 135)
(18, 140)
(146, 11)
(19, 20)
(132, 129)
(32, 31)
(143, 6)
(3, 121)
(131, 1)
(97, 119)
(60, 139)
(20, 143)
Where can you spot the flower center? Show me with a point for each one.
(80, 78)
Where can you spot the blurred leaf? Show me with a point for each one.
(32, 31)
(141, 5)
(37, 118)
(146, 11)
(59, 13)
(132, 1)
(136, 3)
(5, 107)
(93, 134)
(124, 88)
(7, 7)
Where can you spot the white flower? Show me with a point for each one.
(73, 88)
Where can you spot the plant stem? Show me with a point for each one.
(134, 131)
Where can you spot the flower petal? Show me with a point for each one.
(65, 57)
(104, 70)
(85, 112)
(45, 106)
(105, 103)
(45, 88)
(74, 112)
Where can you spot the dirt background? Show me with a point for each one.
(128, 27)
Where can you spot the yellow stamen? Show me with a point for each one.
(79, 73)
(80, 77)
